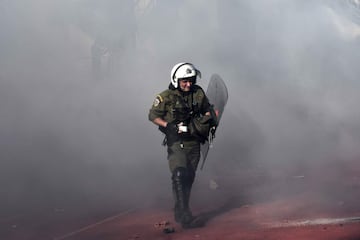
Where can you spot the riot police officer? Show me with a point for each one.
(182, 113)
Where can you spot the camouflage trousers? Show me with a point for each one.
(186, 155)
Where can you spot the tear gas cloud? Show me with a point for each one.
(77, 78)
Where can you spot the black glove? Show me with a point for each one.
(171, 129)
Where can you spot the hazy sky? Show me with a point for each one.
(77, 78)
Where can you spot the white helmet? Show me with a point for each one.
(183, 70)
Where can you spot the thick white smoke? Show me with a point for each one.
(77, 78)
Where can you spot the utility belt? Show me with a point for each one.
(184, 136)
(196, 128)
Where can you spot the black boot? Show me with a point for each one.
(181, 192)
(189, 221)
(177, 213)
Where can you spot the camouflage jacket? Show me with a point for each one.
(173, 105)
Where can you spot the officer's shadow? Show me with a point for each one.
(204, 217)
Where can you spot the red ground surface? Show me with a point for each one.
(328, 192)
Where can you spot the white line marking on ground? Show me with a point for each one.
(314, 222)
(93, 225)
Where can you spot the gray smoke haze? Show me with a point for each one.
(77, 78)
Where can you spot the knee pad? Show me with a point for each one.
(184, 175)
(179, 174)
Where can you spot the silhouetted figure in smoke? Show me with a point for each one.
(182, 112)
(98, 54)
(112, 25)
